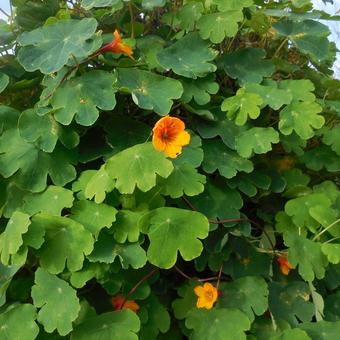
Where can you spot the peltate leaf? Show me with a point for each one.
(218, 202)
(106, 250)
(321, 330)
(199, 90)
(158, 319)
(247, 65)
(98, 184)
(301, 117)
(249, 294)
(309, 36)
(228, 162)
(93, 216)
(15, 316)
(11, 239)
(137, 167)
(66, 243)
(49, 48)
(126, 226)
(217, 26)
(217, 324)
(81, 98)
(307, 255)
(120, 325)
(332, 251)
(321, 157)
(51, 201)
(21, 158)
(184, 180)
(257, 140)
(171, 230)
(290, 301)
(189, 57)
(332, 137)
(43, 130)
(50, 293)
(4, 81)
(270, 94)
(242, 105)
(149, 90)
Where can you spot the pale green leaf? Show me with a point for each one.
(49, 48)
(247, 65)
(307, 255)
(126, 226)
(217, 26)
(219, 157)
(119, 325)
(93, 216)
(219, 323)
(257, 140)
(51, 201)
(184, 180)
(189, 57)
(301, 117)
(149, 90)
(11, 239)
(66, 243)
(173, 230)
(137, 167)
(332, 251)
(106, 250)
(241, 106)
(249, 294)
(50, 293)
(18, 322)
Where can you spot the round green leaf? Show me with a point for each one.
(49, 48)
(119, 325)
(218, 323)
(149, 90)
(171, 230)
(189, 57)
(18, 322)
(50, 293)
(137, 167)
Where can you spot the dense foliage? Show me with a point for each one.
(104, 237)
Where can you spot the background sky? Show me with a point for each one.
(318, 4)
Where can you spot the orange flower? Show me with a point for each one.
(285, 266)
(207, 295)
(169, 136)
(117, 46)
(119, 302)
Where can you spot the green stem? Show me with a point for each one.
(324, 230)
(280, 47)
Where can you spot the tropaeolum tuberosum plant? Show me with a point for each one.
(168, 170)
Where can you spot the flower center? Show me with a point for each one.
(209, 295)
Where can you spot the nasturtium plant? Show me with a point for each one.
(169, 170)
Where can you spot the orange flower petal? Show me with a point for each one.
(207, 295)
(199, 290)
(169, 136)
(132, 305)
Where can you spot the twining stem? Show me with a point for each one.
(280, 47)
(132, 21)
(226, 220)
(324, 230)
(331, 240)
(134, 288)
(212, 278)
(219, 276)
